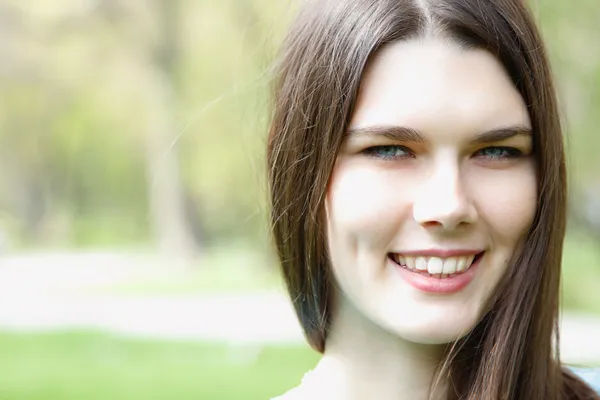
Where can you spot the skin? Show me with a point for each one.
(442, 191)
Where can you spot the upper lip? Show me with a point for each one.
(441, 253)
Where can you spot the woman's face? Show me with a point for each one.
(433, 191)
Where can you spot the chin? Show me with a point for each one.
(434, 338)
(434, 331)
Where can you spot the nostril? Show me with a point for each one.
(446, 225)
(432, 224)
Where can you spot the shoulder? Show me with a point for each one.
(307, 389)
(591, 376)
(293, 394)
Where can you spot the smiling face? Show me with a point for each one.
(433, 191)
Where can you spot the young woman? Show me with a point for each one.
(418, 195)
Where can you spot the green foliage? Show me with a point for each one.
(83, 95)
(92, 366)
(581, 273)
(570, 32)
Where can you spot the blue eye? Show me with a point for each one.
(498, 153)
(389, 152)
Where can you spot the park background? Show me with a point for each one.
(135, 260)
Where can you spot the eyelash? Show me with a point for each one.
(507, 153)
(372, 151)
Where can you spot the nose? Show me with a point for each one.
(442, 201)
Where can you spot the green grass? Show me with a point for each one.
(94, 366)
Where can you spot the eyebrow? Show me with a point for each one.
(405, 134)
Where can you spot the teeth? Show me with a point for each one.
(461, 265)
(435, 265)
(470, 260)
(450, 265)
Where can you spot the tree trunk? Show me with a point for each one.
(167, 205)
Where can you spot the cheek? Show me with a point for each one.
(364, 204)
(507, 202)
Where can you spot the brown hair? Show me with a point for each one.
(513, 351)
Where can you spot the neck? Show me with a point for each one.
(364, 361)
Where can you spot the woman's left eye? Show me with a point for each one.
(498, 153)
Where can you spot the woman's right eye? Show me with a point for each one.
(389, 152)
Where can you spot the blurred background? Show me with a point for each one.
(134, 254)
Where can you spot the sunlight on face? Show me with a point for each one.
(436, 175)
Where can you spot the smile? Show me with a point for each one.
(439, 267)
(435, 273)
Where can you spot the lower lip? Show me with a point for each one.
(432, 284)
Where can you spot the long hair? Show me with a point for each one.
(512, 353)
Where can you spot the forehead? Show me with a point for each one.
(436, 86)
